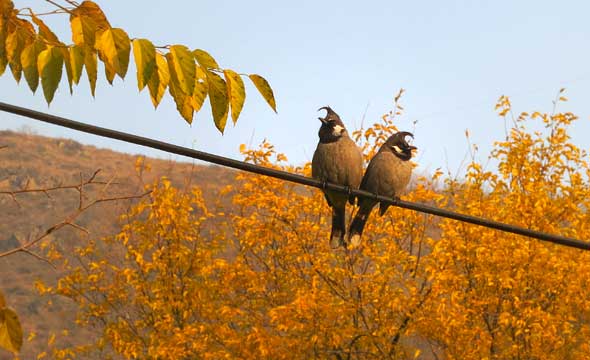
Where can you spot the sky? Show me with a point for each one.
(453, 58)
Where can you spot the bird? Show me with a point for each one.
(337, 159)
(387, 174)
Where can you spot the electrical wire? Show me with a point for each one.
(283, 175)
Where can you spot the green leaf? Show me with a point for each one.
(50, 64)
(183, 102)
(11, 332)
(77, 62)
(144, 53)
(91, 64)
(205, 60)
(181, 64)
(201, 89)
(236, 92)
(83, 31)
(159, 80)
(218, 99)
(264, 89)
(114, 47)
(28, 60)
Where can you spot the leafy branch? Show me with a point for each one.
(32, 49)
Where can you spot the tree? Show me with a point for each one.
(31, 48)
(183, 280)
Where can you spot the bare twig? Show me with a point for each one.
(59, 6)
(39, 257)
(68, 221)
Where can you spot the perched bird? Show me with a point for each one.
(337, 159)
(388, 174)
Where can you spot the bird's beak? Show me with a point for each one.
(324, 121)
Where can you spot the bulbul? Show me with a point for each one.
(337, 159)
(388, 174)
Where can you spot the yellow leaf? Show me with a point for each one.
(91, 64)
(109, 70)
(181, 64)
(15, 43)
(114, 47)
(182, 100)
(201, 89)
(50, 63)
(6, 13)
(236, 92)
(11, 332)
(3, 60)
(77, 62)
(205, 60)
(264, 89)
(218, 99)
(83, 31)
(159, 80)
(91, 10)
(51, 340)
(144, 53)
(68, 65)
(32, 335)
(28, 60)
(45, 31)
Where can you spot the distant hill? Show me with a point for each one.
(33, 161)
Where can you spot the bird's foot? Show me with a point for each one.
(349, 191)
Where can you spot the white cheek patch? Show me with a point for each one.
(337, 130)
(397, 149)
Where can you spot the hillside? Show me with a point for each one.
(31, 161)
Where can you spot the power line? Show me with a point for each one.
(283, 175)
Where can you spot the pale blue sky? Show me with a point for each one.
(454, 58)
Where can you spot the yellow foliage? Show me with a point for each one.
(39, 54)
(183, 281)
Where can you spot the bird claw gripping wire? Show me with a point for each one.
(348, 190)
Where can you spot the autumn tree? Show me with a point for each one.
(184, 280)
(505, 296)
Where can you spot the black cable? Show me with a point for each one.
(283, 175)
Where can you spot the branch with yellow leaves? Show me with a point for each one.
(31, 48)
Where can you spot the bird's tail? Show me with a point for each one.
(338, 227)
(358, 225)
